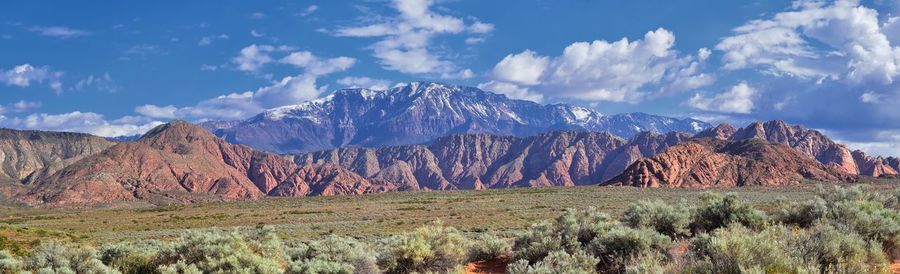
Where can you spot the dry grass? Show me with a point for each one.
(505, 211)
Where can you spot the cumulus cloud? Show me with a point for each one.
(253, 57)
(738, 99)
(26, 74)
(286, 91)
(87, 122)
(154, 111)
(406, 44)
(58, 31)
(364, 82)
(620, 71)
(853, 46)
(316, 65)
(512, 91)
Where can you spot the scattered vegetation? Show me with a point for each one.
(840, 230)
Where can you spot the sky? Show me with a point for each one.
(114, 68)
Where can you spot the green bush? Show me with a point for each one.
(556, 262)
(9, 263)
(228, 252)
(803, 214)
(737, 249)
(870, 219)
(130, 258)
(487, 246)
(570, 232)
(435, 248)
(835, 251)
(317, 266)
(54, 257)
(179, 268)
(332, 255)
(658, 216)
(717, 210)
(623, 244)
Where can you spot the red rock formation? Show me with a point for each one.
(477, 161)
(873, 166)
(717, 163)
(182, 162)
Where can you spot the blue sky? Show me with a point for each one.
(121, 67)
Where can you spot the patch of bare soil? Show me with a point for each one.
(492, 266)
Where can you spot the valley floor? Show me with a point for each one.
(505, 211)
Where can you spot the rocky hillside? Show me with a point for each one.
(718, 163)
(420, 113)
(181, 162)
(26, 156)
(477, 161)
(811, 143)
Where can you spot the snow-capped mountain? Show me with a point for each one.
(420, 112)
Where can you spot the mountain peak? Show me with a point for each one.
(420, 112)
(177, 131)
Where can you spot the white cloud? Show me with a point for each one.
(316, 65)
(406, 40)
(512, 91)
(309, 10)
(257, 16)
(100, 83)
(739, 99)
(253, 57)
(525, 68)
(152, 111)
(479, 27)
(287, 91)
(59, 32)
(240, 105)
(871, 97)
(207, 40)
(474, 40)
(364, 82)
(816, 40)
(256, 33)
(20, 106)
(24, 75)
(620, 71)
(87, 122)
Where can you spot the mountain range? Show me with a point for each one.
(419, 113)
(181, 162)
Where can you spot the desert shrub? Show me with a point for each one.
(556, 262)
(9, 263)
(659, 216)
(487, 246)
(130, 257)
(570, 233)
(737, 249)
(435, 248)
(179, 268)
(835, 251)
(870, 220)
(623, 244)
(55, 257)
(803, 214)
(318, 266)
(716, 210)
(332, 255)
(228, 252)
(653, 262)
